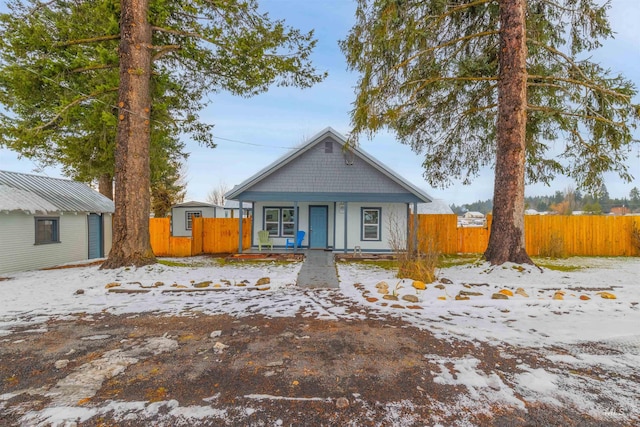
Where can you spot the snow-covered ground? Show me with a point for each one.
(562, 314)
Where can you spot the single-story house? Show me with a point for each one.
(340, 196)
(50, 221)
(183, 213)
(232, 209)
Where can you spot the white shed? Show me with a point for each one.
(50, 221)
(183, 213)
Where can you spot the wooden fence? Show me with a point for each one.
(579, 235)
(209, 236)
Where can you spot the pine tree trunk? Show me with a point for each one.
(131, 242)
(506, 242)
(105, 185)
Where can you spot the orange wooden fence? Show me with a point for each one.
(581, 235)
(209, 236)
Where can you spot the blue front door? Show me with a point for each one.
(95, 236)
(318, 226)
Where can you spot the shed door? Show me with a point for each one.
(318, 226)
(95, 236)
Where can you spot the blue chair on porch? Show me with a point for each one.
(299, 239)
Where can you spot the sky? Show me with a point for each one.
(253, 132)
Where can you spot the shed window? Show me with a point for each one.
(279, 222)
(47, 230)
(371, 223)
(190, 216)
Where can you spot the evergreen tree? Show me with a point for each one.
(477, 83)
(101, 67)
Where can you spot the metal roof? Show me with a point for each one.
(195, 204)
(60, 195)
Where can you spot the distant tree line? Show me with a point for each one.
(566, 202)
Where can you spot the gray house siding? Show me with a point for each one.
(317, 171)
(19, 252)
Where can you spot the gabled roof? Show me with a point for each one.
(436, 207)
(42, 194)
(287, 159)
(195, 204)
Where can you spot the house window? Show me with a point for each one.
(279, 222)
(371, 223)
(47, 230)
(190, 216)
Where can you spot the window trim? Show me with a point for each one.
(280, 222)
(188, 222)
(55, 238)
(362, 224)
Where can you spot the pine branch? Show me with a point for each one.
(578, 115)
(591, 86)
(566, 57)
(68, 106)
(94, 68)
(163, 50)
(89, 40)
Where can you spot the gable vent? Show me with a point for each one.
(328, 146)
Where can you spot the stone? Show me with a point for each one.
(79, 292)
(263, 281)
(111, 285)
(446, 281)
(584, 298)
(217, 285)
(419, 285)
(470, 294)
(442, 298)
(61, 364)
(439, 286)
(382, 285)
(390, 297)
(275, 363)
(220, 347)
(215, 334)
(410, 298)
(397, 306)
(521, 292)
(204, 284)
(606, 295)
(342, 403)
(264, 288)
(158, 284)
(414, 307)
(372, 299)
(462, 298)
(506, 292)
(383, 291)
(499, 296)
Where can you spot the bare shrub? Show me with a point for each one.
(554, 247)
(417, 264)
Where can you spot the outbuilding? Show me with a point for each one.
(182, 216)
(50, 221)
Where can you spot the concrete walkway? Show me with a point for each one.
(318, 270)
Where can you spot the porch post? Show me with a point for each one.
(346, 206)
(415, 226)
(295, 226)
(240, 228)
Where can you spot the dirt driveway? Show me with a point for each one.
(151, 369)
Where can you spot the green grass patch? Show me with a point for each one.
(448, 260)
(555, 265)
(173, 263)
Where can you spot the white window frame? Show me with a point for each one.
(280, 223)
(364, 225)
(189, 215)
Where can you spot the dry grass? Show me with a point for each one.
(554, 247)
(635, 237)
(417, 264)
